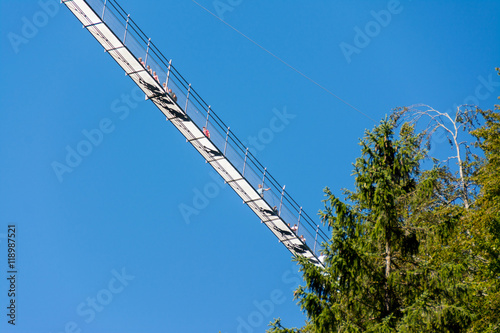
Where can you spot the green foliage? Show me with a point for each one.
(484, 225)
(276, 327)
(405, 255)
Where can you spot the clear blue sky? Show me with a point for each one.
(111, 231)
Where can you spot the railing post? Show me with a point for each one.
(147, 53)
(315, 240)
(168, 72)
(282, 193)
(225, 144)
(103, 9)
(245, 162)
(126, 27)
(298, 221)
(187, 98)
(208, 114)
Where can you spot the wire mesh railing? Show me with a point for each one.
(162, 70)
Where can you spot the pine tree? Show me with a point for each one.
(483, 224)
(411, 250)
(384, 263)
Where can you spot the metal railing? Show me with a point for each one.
(202, 115)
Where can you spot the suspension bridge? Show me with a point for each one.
(171, 93)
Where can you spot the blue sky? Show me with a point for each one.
(111, 232)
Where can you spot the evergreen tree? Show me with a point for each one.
(483, 224)
(383, 263)
(411, 250)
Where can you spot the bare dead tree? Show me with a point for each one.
(464, 119)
